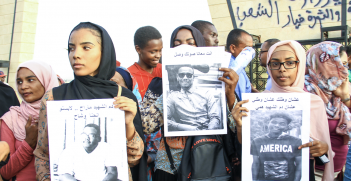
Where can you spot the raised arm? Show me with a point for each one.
(41, 153)
(135, 149)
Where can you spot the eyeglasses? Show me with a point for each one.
(182, 75)
(287, 65)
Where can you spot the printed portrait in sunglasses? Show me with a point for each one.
(192, 107)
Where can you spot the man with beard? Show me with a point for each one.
(190, 108)
(93, 160)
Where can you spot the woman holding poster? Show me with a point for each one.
(286, 65)
(93, 60)
(19, 125)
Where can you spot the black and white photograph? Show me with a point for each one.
(277, 127)
(87, 141)
(194, 99)
(275, 138)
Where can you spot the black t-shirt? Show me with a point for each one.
(276, 156)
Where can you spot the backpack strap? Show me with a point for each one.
(170, 158)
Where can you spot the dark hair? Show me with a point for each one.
(348, 50)
(234, 37)
(97, 128)
(201, 25)
(93, 29)
(285, 116)
(144, 34)
(342, 49)
(271, 42)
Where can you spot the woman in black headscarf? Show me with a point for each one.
(93, 60)
(190, 36)
(8, 98)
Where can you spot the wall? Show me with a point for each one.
(282, 19)
(24, 33)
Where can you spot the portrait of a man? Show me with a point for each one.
(191, 108)
(276, 155)
(90, 159)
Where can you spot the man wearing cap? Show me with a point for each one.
(3, 77)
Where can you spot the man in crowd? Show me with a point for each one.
(91, 160)
(237, 40)
(191, 109)
(276, 155)
(263, 57)
(2, 77)
(208, 31)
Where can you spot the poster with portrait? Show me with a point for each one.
(87, 140)
(276, 125)
(194, 101)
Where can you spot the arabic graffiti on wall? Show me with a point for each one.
(311, 16)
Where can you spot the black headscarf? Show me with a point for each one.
(199, 39)
(100, 86)
(173, 70)
(8, 98)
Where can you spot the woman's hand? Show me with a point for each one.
(317, 148)
(238, 112)
(130, 109)
(343, 90)
(31, 133)
(128, 106)
(230, 84)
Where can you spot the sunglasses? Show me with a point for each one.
(182, 75)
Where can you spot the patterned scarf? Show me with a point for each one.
(325, 73)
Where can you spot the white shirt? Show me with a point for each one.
(87, 166)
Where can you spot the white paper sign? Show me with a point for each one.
(276, 125)
(77, 149)
(193, 98)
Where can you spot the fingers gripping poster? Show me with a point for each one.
(193, 98)
(275, 126)
(87, 140)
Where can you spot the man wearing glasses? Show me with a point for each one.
(263, 58)
(191, 109)
(91, 160)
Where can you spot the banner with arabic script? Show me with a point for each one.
(87, 140)
(276, 125)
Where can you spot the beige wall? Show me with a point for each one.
(24, 33)
(268, 27)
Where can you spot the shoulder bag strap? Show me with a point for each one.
(170, 158)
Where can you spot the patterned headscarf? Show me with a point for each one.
(325, 73)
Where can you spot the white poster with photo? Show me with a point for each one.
(87, 140)
(194, 100)
(276, 125)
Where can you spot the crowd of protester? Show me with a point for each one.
(24, 146)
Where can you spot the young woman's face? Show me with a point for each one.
(184, 36)
(151, 53)
(29, 85)
(84, 52)
(283, 76)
